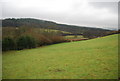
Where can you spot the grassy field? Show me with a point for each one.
(90, 59)
(74, 37)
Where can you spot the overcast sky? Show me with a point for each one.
(92, 13)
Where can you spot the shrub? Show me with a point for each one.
(26, 42)
(57, 39)
(23, 37)
(45, 41)
(8, 44)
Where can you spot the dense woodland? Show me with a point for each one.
(27, 33)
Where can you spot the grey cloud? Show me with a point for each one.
(94, 14)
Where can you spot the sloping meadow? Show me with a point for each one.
(90, 59)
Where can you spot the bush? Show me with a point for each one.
(23, 37)
(26, 42)
(57, 39)
(8, 44)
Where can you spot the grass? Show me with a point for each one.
(53, 30)
(90, 59)
(74, 37)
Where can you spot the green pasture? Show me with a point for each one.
(73, 37)
(89, 59)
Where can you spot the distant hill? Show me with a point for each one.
(29, 22)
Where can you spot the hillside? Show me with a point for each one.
(90, 59)
(28, 22)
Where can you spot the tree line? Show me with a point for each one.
(28, 37)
